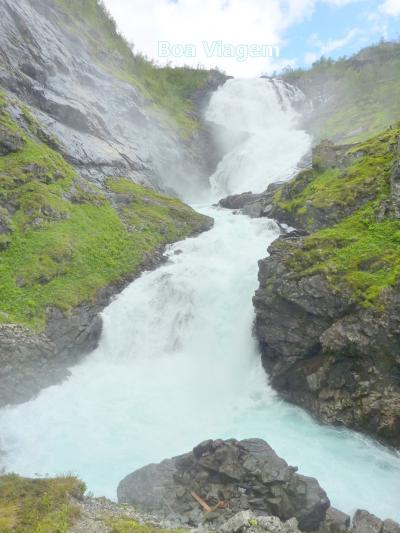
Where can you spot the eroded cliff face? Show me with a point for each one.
(328, 305)
(81, 90)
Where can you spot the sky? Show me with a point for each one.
(246, 38)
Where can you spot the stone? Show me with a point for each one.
(365, 522)
(390, 526)
(227, 471)
(335, 522)
(319, 349)
(9, 142)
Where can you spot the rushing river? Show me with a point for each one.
(177, 363)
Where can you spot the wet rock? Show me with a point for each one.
(30, 361)
(27, 364)
(231, 476)
(335, 522)
(101, 124)
(314, 344)
(238, 201)
(253, 205)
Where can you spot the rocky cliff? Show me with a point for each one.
(86, 127)
(328, 305)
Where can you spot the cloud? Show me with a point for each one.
(234, 22)
(390, 7)
(327, 47)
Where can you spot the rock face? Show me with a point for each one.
(105, 126)
(365, 522)
(232, 476)
(26, 364)
(324, 354)
(324, 347)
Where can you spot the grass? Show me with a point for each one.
(38, 505)
(334, 190)
(66, 239)
(360, 255)
(168, 90)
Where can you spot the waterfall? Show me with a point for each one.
(258, 124)
(177, 363)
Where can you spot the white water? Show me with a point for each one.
(266, 145)
(177, 364)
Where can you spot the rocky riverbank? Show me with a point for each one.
(236, 486)
(328, 305)
(221, 486)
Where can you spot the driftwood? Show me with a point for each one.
(205, 506)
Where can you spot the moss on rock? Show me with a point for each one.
(68, 238)
(357, 242)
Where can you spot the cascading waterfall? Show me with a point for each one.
(177, 363)
(257, 122)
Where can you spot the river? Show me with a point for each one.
(177, 362)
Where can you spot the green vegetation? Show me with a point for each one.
(63, 238)
(168, 88)
(360, 94)
(333, 190)
(38, 505)
(359, 255)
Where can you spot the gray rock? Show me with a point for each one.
(9, 142)
(389, 526)
(103, 125)
(335, 522)
(246, 475)
(365, 522)
(253, 205)
(314, 344)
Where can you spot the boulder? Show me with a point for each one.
(9, 142)
(230, 476)
(365, 522)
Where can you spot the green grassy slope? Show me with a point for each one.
(355, 97)
(62, 239)
(45, 506)
(361, 253)
(168, 89)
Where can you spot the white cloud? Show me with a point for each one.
(390, 7)
(146, 22)
(327, 47)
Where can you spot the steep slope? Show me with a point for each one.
(328, 305)
(114, 113)
(84, 124)
(353, 98)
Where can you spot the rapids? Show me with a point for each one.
(177, 363)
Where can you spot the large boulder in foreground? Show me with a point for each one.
(229, 476)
